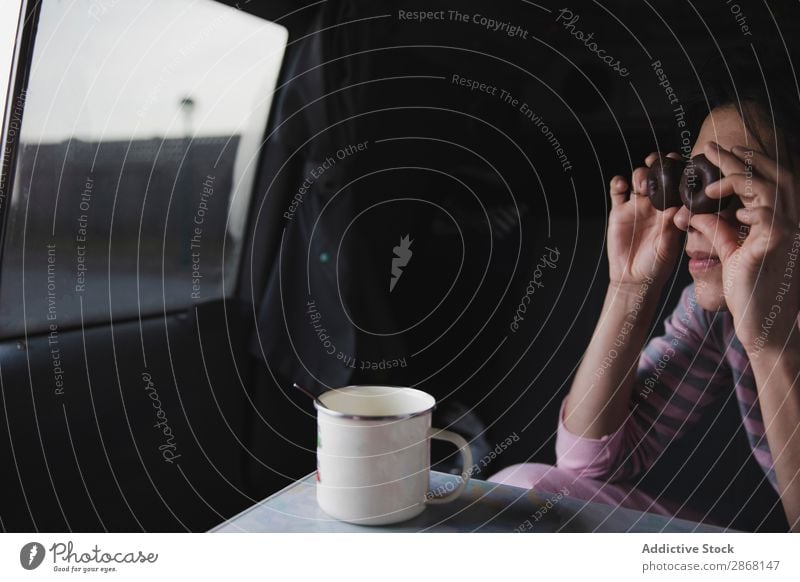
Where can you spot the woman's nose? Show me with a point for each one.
(681, 219)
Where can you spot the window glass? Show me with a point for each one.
(136, 159)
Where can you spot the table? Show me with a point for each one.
(482, 507)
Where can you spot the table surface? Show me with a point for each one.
(482, 507)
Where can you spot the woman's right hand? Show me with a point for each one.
(643, 242)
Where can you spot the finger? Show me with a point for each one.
(766, 231)
(639, 179)
(754, 191)
(618, 189)
(722, 235)
(758, 161)
(783, 191)
(723, 159)
(668, 237)
(668, 219)
(761, 216)
(681, 218)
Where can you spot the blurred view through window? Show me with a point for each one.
(136, 157)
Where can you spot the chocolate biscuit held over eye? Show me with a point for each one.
(698, 174)
(663, 181)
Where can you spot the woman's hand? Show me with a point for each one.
(760, 262)
(643, 243)
(642, 249)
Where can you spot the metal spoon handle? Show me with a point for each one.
(307, 393)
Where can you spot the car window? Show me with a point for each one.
(137, 152)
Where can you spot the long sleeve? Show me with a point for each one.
(679, 375)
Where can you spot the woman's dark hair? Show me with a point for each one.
(759, 81)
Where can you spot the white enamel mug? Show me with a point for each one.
(373, 454)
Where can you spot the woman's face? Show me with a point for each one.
(726, 128)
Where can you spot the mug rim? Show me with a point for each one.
(320, 406)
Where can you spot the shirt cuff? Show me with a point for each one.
(590, 457)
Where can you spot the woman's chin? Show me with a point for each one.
(709, 293)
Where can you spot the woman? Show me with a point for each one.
(734, 329)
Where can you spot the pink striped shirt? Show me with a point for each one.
(698, 360)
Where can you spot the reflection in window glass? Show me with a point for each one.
(136, 159)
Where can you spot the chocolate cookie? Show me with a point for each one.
(663, 181)
(698, 174)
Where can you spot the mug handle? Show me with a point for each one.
(466, 455)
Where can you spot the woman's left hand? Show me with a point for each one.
(761, 260)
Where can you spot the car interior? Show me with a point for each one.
(206, 202)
